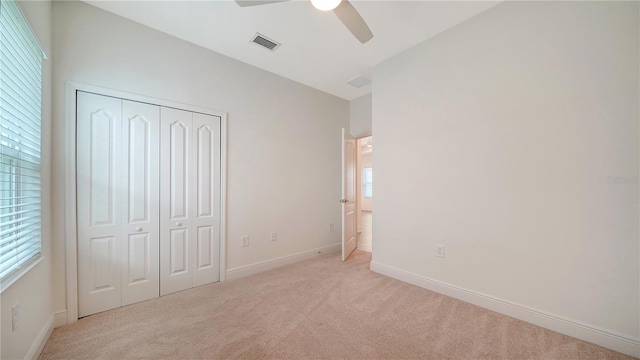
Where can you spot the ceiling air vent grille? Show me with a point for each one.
(265, 42)
(359, 81)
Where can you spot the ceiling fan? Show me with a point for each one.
(342, 8)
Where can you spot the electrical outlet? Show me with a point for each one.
(440, 250)
(273, 236)
(15, 316)
(331, 228)
(244, 240)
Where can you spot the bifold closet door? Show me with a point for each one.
(190, 200)
(99, 122)
(141, 222)
(117, 202)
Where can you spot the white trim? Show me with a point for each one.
(262, 266)
(70, 179)
(70, 203)
(589, 333)
(40, 341)
(59, 319)
(18, 273)
(365, 248)
(76, 86)
(223, 197)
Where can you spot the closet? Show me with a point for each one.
(148, 201)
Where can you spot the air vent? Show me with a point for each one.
(359, 81)
(265, 42)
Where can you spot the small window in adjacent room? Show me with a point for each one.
(367, 182)
(20, 106)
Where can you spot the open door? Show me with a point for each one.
(348, 194)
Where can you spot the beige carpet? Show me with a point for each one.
(317, 309)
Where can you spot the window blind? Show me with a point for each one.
(20, 106)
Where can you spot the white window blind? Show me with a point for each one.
(20, 104)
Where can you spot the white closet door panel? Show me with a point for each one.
(98, 203)
(204, 256)
(101, 260)
(140, 168)
(206, 217)
(207, 266)
(138, 260)
(176, 254)
(204, 170)
(179, 168)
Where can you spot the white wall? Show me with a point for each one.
(283, 139)
(360, 117)
(513, 140)
(33, 291)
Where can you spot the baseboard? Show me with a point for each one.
(60, 319)
(256, 268)
(40, 341)
(604, 338)
(365, 247)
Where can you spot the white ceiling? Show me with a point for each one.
(317, 49)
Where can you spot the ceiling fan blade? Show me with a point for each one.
(353, 21)
(245, 3)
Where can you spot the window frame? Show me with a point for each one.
(367, 180)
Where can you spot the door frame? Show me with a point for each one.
(71, 230)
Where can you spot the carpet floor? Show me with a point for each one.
(316, 309)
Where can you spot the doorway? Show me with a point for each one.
(364, 193)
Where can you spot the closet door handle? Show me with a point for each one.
(138, 229)
(178, 224)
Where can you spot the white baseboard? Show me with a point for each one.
(40, 341)
(592, 334)
(256, 268)
(60, 319)
(367, 247)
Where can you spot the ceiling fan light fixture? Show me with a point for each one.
(325, 5)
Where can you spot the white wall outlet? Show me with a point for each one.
(272, 236)
(331, 227)
(440, 250)
(15, 316)
(244, 240)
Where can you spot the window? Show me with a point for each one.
(367, 182)
(20, 106)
